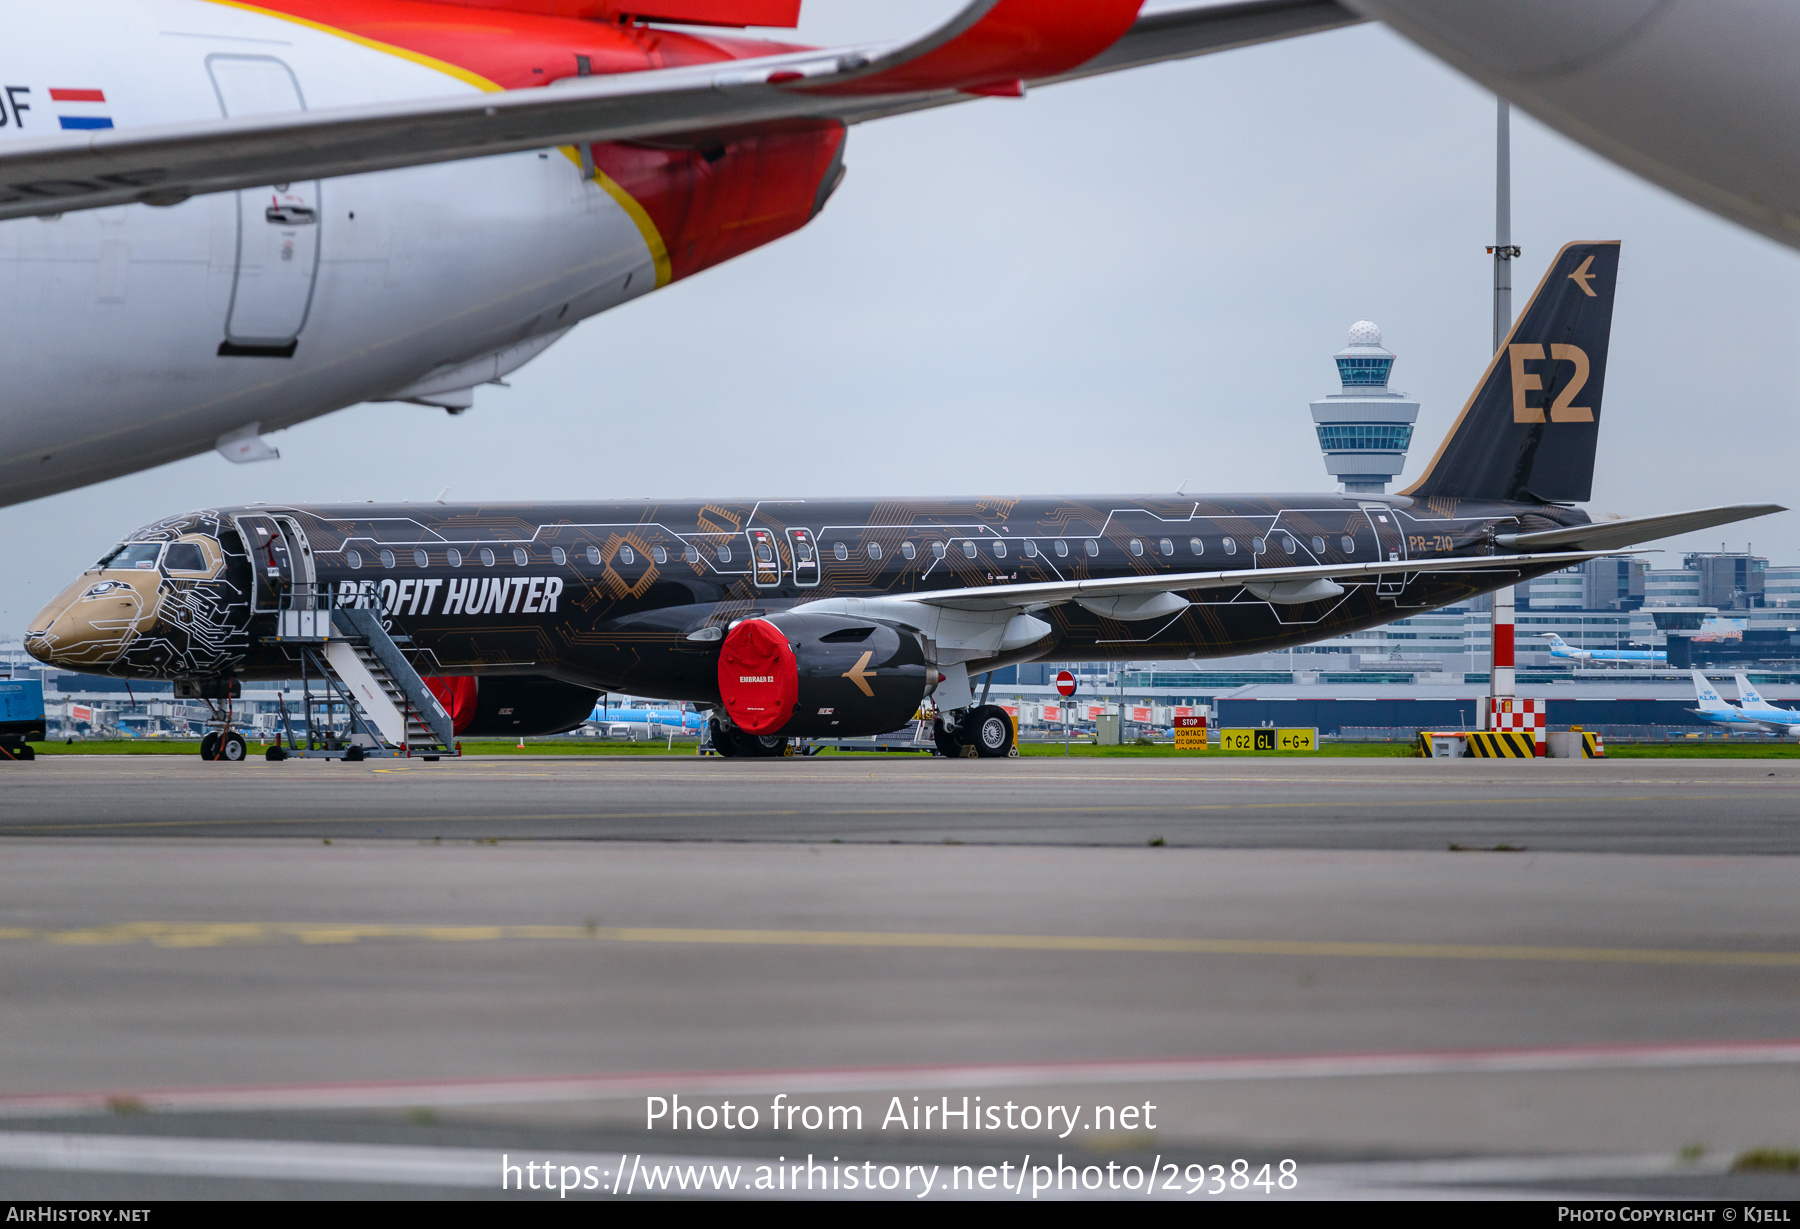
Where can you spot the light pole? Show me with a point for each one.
(1500, 670)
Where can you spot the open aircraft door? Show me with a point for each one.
(1390, 543)
(280, 560)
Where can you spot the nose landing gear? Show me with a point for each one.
(225, 745)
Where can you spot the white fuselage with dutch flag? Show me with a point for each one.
(409, 284)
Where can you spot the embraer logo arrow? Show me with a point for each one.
(1581, 277)
(860, 674)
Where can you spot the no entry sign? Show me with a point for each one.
(1065, 683)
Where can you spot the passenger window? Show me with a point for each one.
(519, 556)
(656, 552)
(1287, 545)
(1349, 544)
(1318, 546)
(559, 557)
(1062, 549)
(1258, 546)
(1231, 546)
(906, 549)
(1166, 547)
(487, 557)
(724, 553)
(874, 551)
(185, 557)
(1093, 547)
(691, 554)
(937, 550)
(840, 551)
(421, 559)
(968, 550)
(1137, 548)
(1030, 549)
(627, 555)
(999, 550)
(387, 558)
(454, 556)
(1196, 546)
(354, 559)
(593, 554)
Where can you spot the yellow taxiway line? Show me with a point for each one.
(186, 934)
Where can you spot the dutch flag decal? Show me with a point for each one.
(88, 120)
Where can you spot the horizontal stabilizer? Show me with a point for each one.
(1612, 535)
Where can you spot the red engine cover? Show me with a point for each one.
(758, 680)
(456, 693)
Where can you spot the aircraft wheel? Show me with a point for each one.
(992, 731)
(209, 747)
(724, 741)
(949, 742)
(766, 745)
(232, 749)
(275, 754)
(354, 754)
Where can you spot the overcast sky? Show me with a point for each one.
(1111, 286)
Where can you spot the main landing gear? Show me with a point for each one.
(733, 743)
(984, 731)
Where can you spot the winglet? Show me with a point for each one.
(992, 45)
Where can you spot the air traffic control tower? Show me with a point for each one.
(1365, 429)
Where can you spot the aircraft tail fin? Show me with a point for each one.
(1710, 699)
(1748, 697)
(1529, 430)
(1556, 641)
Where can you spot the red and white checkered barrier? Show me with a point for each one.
(1524, 716)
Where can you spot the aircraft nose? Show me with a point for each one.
(89, 624)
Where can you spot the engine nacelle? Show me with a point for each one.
(823, 676)
(512, 705)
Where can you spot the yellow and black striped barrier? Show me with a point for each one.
(1501, 744)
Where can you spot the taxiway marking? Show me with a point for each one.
(224, 934)
(946, 813)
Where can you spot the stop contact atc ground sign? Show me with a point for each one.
(1065, 683)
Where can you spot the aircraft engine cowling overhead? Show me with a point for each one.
(820, 675)
(512, 706)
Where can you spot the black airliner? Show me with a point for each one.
(794, 618)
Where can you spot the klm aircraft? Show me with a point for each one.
(616, 721)
(1752, 705)
(1559, 649)
(1752, 712)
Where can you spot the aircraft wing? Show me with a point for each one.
(989, 47)
(1052, 593)
(1611, 535)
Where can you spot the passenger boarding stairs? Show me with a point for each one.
(360, 660)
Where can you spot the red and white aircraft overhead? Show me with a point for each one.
(219, 219)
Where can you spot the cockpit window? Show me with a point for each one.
(185, 557)
(135, 555)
